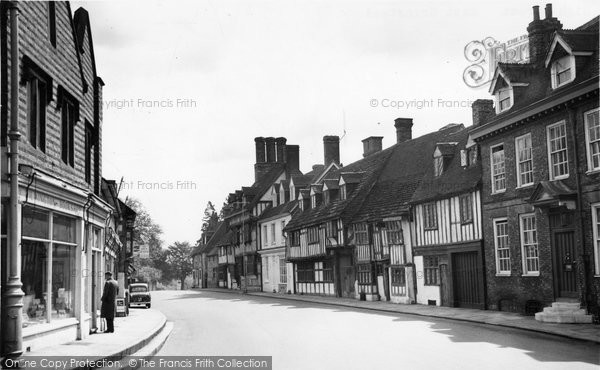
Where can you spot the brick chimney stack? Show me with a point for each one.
(483, 111)
(372, 144)
(403, 129)
(331, 150)
(270, 141)
(292, 158)
(540, 32)
(280, 149)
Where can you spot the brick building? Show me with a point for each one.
(53, 215)
(541, 173)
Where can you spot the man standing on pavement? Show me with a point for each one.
(109, 296)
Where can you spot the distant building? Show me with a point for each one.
(541, 175)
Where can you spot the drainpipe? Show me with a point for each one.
(584, 256)
(13, 297)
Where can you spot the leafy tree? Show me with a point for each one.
(209, 223)
(146, 231)
(178, 258)
(149, 275)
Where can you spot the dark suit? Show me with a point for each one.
(108, 308)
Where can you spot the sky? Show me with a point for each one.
(190, 84)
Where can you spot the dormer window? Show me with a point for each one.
(563, 71)
(504, 99)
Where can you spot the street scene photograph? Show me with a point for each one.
(197, 184)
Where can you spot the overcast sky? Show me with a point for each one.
(189, 84)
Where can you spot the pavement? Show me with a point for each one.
(584, 332)
(140, 334)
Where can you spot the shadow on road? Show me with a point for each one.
(532, 343)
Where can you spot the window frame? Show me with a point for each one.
(431, 270)
(361, 231)
(596, 236)
(497, 258)
(518, 161)
(37, 130)
(500, 100)
(430, 220)
(588, 142)
(468, 217)
(555, 73)
(551, 173)
(493, 174)
(524, 247)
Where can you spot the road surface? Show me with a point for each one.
(302, 335)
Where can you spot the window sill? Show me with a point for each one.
(503, 274)
(531, 274)
(530, 185)
(562, 177)
(499, 192)
(593, 172)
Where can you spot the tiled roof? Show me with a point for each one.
(279, 210)
(386, 181)
(331, 184)
(403, 174)
(591, 25)
(580, 40)
(454, 180)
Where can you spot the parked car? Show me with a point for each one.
(139, 295)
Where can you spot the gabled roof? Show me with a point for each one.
(573, 42)
(550, 192)
(514, 74)
(212, 243)
(402, 175)
(446, 149)
(351, 177)
(385, 181)
(280, 210)
(455, 179)
(330, 184)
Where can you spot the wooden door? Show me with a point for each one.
(347, 277)
(444, 288)
(565, 275)
(467, 278)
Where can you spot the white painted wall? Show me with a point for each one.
(425, 292)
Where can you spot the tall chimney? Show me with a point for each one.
(372, 144)
(540, 33)
(483, 111)
(280, 149)
(548, 11)
(260, 149)
(270, 141)
(331, 149)
(292, 156)
(403, 129)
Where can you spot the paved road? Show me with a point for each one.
(302, 335)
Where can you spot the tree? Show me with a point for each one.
(179, 260)
(149, 275)
(209, 223)
(146, 231)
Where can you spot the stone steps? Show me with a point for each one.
(564, 312)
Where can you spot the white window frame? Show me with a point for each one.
(518, 161)
(596, 233)
(494, 190)
(266, 236)
(273, 234)
(570, 60)
(495, 222)
(524, 246)
(551, 173)
(588, 141)
(498, 94)
(430, 216)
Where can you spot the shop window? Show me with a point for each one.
(398, 276)
(48, 268)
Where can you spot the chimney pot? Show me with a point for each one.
(270, 141)
(280, 149)
(260, 149)
(403, 129)
(331, 149)
(536, 13)
(548, 11)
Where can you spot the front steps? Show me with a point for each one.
(564, 312)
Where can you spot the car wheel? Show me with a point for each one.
(148, 305)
